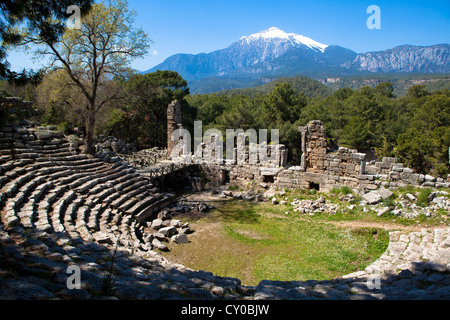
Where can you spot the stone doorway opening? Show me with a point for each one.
(315, 186)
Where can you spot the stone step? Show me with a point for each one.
(61, 150)
(22, 194)
(12, 187)
(81, 215)
(128, 204)
(139, 182)
(87, 186)
(143, 204)
(55, 154)
(127, 198)
(115, 177)
(91, 167)
(20, 153)
(116, 218)
(133, 228)
(25, 201)
(28, 212)
(59, 210)
(125, 178)
(83, 179)
(18, 163)
(81, 225)
(104, 195)
(40, 191)
(110, 198)
(9, 176)
(60, 174)
(71, 215)
(26, 217)
(48, 170)
(79, 163)
(124, 184)
(94, 217)
(42, 147)
(105, 217)
(9, 165)
(44, 207)
(150, 210)
(66, 159)
(73, 179)
(105, 190)
(88, 181)
(43, 220)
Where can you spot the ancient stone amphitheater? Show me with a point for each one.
(60, 208)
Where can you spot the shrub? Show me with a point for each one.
(342, 190)
(422, 198)
(65, 127)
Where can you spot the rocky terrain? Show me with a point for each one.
(405, 205)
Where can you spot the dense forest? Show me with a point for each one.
(414, 127)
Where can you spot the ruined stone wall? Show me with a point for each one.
(343, 162)
(316, 147)
(326, 170)
(16, 106)
(319, 168)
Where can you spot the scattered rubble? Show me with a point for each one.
(406, 205)
(376, 196)
(165, 228)
(113, 145)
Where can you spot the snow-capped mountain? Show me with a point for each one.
(275, 53)
(267, 52)
(275, 35)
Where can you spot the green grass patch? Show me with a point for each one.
(254, 242)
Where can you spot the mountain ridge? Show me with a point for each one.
(275, 53)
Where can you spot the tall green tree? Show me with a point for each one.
(91, 55)
(142, 118)
(43, 19)
(425, 142)
(283, 104)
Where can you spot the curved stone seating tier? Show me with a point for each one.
(46, 185)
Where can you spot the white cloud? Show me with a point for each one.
(154, 53)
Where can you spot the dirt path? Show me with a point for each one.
(379, 225)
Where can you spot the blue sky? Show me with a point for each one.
(196, 26)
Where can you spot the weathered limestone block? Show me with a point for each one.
(41, 135)
(376, 196)
(179, 238)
